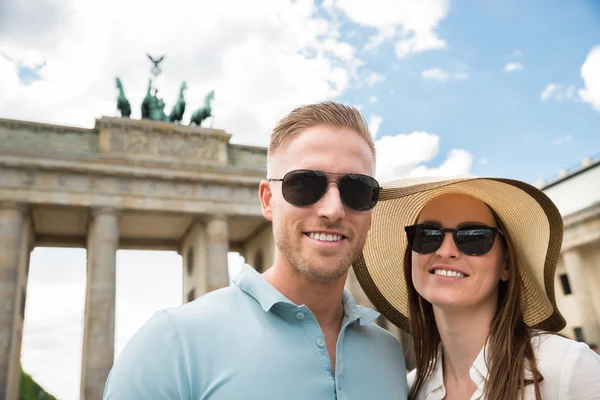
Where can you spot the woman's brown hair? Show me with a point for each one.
(509, 349)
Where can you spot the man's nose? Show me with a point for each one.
(331, 205)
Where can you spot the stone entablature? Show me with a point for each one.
(162, 141)
(582, 228)
(84, 189)
(121, 138)
(129, 164)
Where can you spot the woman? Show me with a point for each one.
(466, 266)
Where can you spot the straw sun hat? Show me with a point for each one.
(530, 219)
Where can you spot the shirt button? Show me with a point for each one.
(300, 315)
(320, 342)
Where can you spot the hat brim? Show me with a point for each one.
(530, 218)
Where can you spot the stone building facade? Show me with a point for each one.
(577, 282)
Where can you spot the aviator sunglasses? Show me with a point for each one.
(474, 240)
(304, 187)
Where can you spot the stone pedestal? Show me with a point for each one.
(99, 320)
(575, 270)
(14, 259)
(217, 240)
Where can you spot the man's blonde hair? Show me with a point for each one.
(324, 113)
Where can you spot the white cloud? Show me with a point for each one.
(517, 53)
(374, 124)
(458, 162)
(418, 44)
(411, 23)
(484, 161)
(563, 140)
(9, 80)
(373, 99)
(404, 155)
(440, 75)
(262, 61)
(557, 92)
(549, 91)
(373, 78)
(513, 66)
(590, 73)
(435, 74)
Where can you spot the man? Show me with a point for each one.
(293, 332)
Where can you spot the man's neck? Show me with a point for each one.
(463, 334)
(323, 299)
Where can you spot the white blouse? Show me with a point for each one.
(571, 371)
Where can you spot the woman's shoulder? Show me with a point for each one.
(557, 355)
(551, 343)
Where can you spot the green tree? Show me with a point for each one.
(30, 390)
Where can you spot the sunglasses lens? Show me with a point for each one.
(359, 192)
(424, 239)
(475, 241)
(303, 188)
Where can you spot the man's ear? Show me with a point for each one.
(265, 195)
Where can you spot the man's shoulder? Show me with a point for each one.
(382, 334)
(374, 333)
(221, 304)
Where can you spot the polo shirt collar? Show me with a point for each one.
(253, 283)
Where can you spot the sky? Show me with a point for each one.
(448, 87)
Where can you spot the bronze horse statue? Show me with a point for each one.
(202, 113)
(122, 103)
(179, 108)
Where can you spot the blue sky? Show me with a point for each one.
(495, 115)
(490, 87)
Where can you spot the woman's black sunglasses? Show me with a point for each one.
(471, 240)
(304, 187)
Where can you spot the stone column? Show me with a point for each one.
(194, 262)
(14, 371)
(12, 222)
(99, 319)
(575, 271)
(217, 239)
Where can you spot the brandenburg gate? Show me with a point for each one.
(148, 184)
(125, 184)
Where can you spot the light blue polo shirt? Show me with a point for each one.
(248, 341)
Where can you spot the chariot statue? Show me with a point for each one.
(152, 106)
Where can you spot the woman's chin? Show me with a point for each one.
(449, 301)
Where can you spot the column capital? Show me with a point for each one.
(217, 217)
(105, 210)
(12, 205)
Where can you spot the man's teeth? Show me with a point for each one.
(443, 272)
(325, 237)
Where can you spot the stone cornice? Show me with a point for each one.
(589, 213)
(126, 168)
(41, 126)
(582, 228)
(159, 127)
